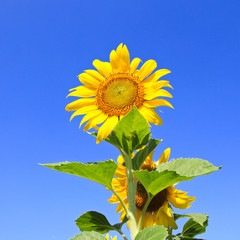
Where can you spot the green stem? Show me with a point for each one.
(143, 213)
(123, 235)
(170, 233)
(131, 197)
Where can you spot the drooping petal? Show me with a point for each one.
(134, 64)
(157, 103)
(80, 103)
(165, 156)
(90, 115)
(146, 69)
(164, 217)
(84, 110)
(103, 67)
(93, 122)
(179, 199)
(106, 128)
(151, 116)
(82, 91)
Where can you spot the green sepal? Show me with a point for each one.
(94, 221)
(141, 155)
(89, 236)
(132, 132)
(170, 173)
(101, 172)
(154, 233)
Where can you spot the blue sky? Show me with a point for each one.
(46, 44)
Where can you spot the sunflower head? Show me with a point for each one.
(110, 92)
(159, 211)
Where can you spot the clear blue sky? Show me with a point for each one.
(46, 44)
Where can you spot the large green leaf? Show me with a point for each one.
(173, 172)
(93, 221)
(152, 233)
(89, 236)
(101, 172)
(140, 157)
(131, 133)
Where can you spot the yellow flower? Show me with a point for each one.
(110, 92)
(107, 237)
(159, 211)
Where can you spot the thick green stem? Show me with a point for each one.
(131, 197)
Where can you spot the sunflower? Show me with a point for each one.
(110, 92)
(107, 237)
(159, 211)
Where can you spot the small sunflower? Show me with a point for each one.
(110, 92)
(159, 211)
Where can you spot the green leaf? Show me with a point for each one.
(152, 233)
(140, 157)
(93, 221)
(89, 236)
(131, 133)
(170, 173)
(101, 172)
(198, 218)
(192, 227)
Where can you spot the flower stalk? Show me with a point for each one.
(131, 197)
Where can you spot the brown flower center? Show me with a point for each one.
(142, 197)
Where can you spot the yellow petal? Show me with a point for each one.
(84, 110)
(164, 217)
(82, 91)
(165, 156)
(125, 59)
(161, 84)
(154, 94)
(179, 199)
(93, 122)
(151, 116)
(106, 128)
(119, 49)
(115, 61)
(157, 103)
(134, 64)
(95, 74)
(103, 67)
(89, 80)
(155, 76)
(90, 115)
(80, 103)
(146, 69)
